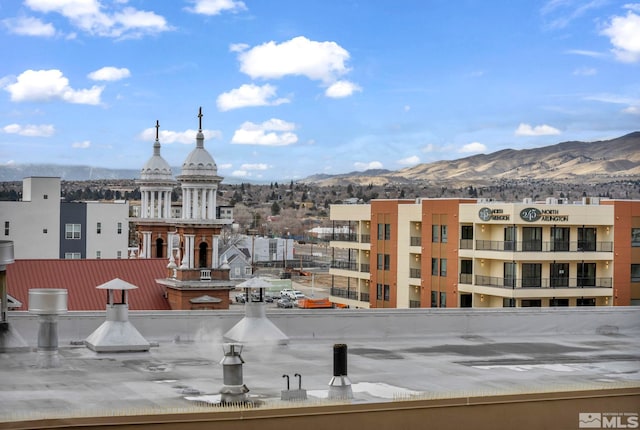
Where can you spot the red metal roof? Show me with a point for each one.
(81, 277)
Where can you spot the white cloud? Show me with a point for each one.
(473, 148)
(584, 52)
(238, 47)
(46, 85)
(407, 108)
(225, 166)
(539, 130)
(29, 130)
(321, 61)
(109, 74)
(341, 89)
(240, 173)
(429, 147)
(29, 26)
(624, 35)
(632, 6)
(185, 137)
(215, 7)
(249, 95)
(367, 166)
(10, 163)
(274, 132)
(633, 110)
(109, 20)
(257, 166)
(81, 145)
(409, 161)
(585, 71)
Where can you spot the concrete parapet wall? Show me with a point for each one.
(336, 325)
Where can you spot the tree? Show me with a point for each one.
(275, 209)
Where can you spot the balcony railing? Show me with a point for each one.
(415, 273)
(205, 274)
(364, 297)
(491, 281)
(466, 243)
(415, 241)
(352, 237)
(365, 267)
(345, 265)
(344, 293)
(466, 278)
(539, 246)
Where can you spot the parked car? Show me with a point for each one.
(241, 298)
(296, 295)
(284, 303)
(285, 292)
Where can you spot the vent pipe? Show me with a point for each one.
(340, 385)
(9, 338)
(48, 303)
(233, 390)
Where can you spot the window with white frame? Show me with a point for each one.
(72, 231)
(99, 228)
(119, 228)
(72, 256)
(98, 254)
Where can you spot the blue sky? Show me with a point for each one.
(292, 88)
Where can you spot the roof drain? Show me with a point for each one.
(233, 391)
(340, 385)
(48, 303)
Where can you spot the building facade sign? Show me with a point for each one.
(535, 214)
(488, 214)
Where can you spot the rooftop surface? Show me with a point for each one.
(392, 354)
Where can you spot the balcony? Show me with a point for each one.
(352, 237)
(510, 283)
(205, 274)
(344, 265)
(344, 293)
(414, 303)
(415, 241)
(415, 273)
(539, 246)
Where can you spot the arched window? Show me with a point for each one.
(202, 255)
(159, 248)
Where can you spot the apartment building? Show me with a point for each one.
(478, 253)
(42, 226)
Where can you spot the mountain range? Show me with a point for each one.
(570, 162)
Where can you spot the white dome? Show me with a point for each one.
(156, 168)
(199, 162)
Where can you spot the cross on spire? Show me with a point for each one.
(200, 118)
(157, 128)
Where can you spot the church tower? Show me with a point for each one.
(190, 240)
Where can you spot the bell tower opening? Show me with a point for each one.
(159, 248)
(202, 255)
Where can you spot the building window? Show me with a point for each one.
(531, 275)
(247, 270)
(44, 231)
(509, 269)
(434, 267)
(443, 267)
(72, 256)
(508, 302)
(378, 291)
(443, 300)
(434, 299)
(46, 196)
(72, 231)
(586, 274)
(510, 238)
(559, 239)
(6, 228)
(384, 231)
(558, 302)
(119, 228)
(635, 237)
(532, 238)
(98, 254)
(119, 254)
(99, 228)
(559, 275)
(635, 273)
(444, 234)
(466, 271)
(435, 232)
(585, 302)
(587, 239)
(386, 293)
(531, 303)
(384, 261)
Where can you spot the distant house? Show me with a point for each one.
(239, 260)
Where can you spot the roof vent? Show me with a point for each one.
(340, 385)
(48, 303)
